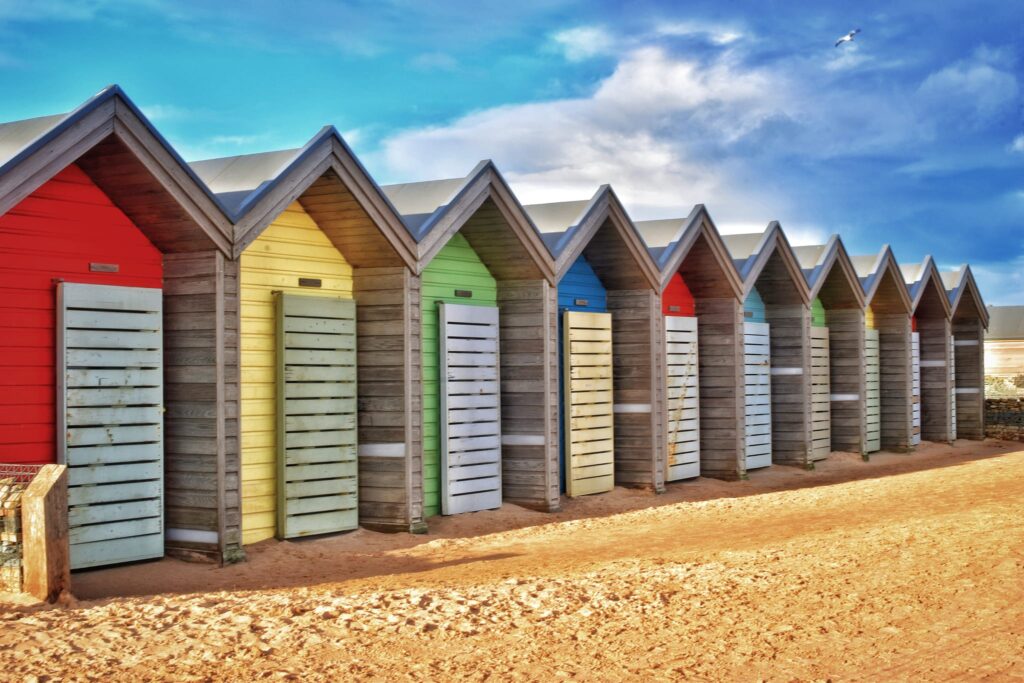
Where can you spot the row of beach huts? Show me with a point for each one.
(273, 345)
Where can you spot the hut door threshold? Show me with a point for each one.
(588, 400)
(470, 408)
(317, 488)
(758, 394)
(110, 421)
(873, 392)
(683, 398)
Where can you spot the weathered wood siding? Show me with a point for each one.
(936, 388)
(969, 386)
(791, 382)
(821, 419)
(291, 248)
(894, 355)
(390, 404)
(720, 354)
(529, 393)
(638, 333)
(682, 396)
(202, 401)
(872, 392)
(847, 378)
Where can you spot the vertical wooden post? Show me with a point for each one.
(44, 521)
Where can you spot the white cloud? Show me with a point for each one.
(435, 61)
(234, 140)
(1018, 144)
(975, 91)
(1001, 283)
(717, 34)
(160, 113)
(583, 42)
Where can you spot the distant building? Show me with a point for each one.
(1004, 342)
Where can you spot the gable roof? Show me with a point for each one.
(918, 276)
(959, 282)
(818, 260)
(1005, 323)
(434, 210)
(871, 269)
(669, 241)
(751, 252)
(568, 229)
(256, 188)
(111, 139)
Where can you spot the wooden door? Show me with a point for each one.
(821, 415)
(683, 398)
(317, 487)
(952, 388)
(470, 405)
(588, 402)
(110, 421)
(758, 395)
(915, 394)
(872, 392)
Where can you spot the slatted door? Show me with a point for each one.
(952, 388)
(317, 489)
(758, 394)
(683, 398)
(821, 414)
(589, 432)
(872, 392)
(470, 408)
(110, 430)
(915, 394)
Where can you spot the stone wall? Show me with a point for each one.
(1004, 418)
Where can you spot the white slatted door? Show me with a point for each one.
(872, 392)
(317, 468)
(952, 387)
(757, 394)
(588, 402)
(683, 398)
(915, 395)
(110, 425)
(821, 413)
(470, 408)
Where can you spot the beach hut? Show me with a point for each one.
(702, 301)
(321, 305)
(777, 349)
(888, 373)
(967, 362)
(486, 306)
(932, 329)
(1004, 342)
(111, 257)
(837, 348)
(610, 341)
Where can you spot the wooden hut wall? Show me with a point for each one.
(846, 324)
(638, 331)
(719, 316)
(936, 386)
(892, 321)
(969, 389)
(790, 321)
(682, 375)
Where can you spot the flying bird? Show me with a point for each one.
(848, 38)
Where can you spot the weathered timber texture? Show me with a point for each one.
(390, 376)
(894, 358)
(720, 357)
(46, 554)
(638, 333)
(936, 389)
(529, 393)
(970, 378)
(846, 375)
(201, 459)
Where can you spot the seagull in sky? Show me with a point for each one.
(848, 38)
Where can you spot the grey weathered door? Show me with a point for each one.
(758, 394)
(470, 405)
(317, 488)
(873, 391)
(110, 421)
(683, 398)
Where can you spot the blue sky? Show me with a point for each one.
(912, 135)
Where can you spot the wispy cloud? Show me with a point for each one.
(435, 61)
(973, 92)
(584, 42)
(161, 113)
(1018, 144)
(717, 34)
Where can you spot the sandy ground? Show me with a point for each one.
(910, 567)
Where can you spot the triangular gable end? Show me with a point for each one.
(968, 285)
(929, 280)
(887, 269)
(699, 226)
(121, 151)
(835, 255)
(774, 242)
